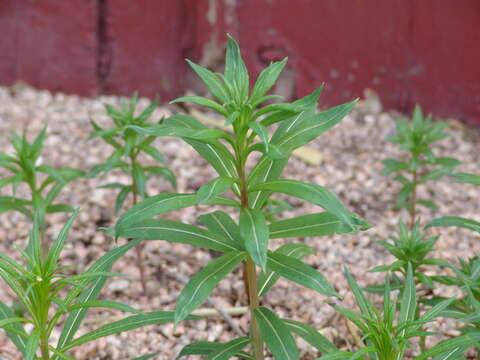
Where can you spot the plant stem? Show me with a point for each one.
(44, 348)
(413, 200)
(251, 281)
(249, 267)
(139, 247)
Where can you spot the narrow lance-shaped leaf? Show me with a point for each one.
(319, 224)
(16, 337)
(299, 272)
(313, 193)
(276, 335)
(202, 284)
(221, 223)
(155, 205)
(267, 279)
(464, 178)
(175, 231)
(211, 80)
(254, 230)
(460, 342)
(215, 187)
(229, 349)
(267, 79)
(75, 318)
(310, 335)
(408, 304)
(447, 221)
(129, 323)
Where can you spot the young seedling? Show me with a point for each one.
(409, 247)
(128, 145)
(246, 242)
(44, 182)
(39, 285)
(386, 335)
(421, 164)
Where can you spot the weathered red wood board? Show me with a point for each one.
(54, 44)
(409, 51)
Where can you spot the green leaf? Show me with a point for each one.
(16, 335)
(254, 230)
(211, 80)
(229, 349)
(221, 223)
(57, 246)
(236, 74)
(175, 231)
(122, 195)
(308, 126)
(202, 102)
(206, 348)
(299, 272)
(310, 335)
(59, 208)
(75, 318)
(261, 131)
(462, 342)
(408, 304)
(33, 341)
(205, 134)
(267, 279)
(154, 153)
(140, 179)
(315, 194)
(447, 221)
(276, 335)
(266, 80)
(337, 355)
(215, 187)
(267, 169)
(464, 178)
(107, 304)
(129, 323)
(366, 307)
(164, 172)
(155, 205)
(202, 284)
(319, 224)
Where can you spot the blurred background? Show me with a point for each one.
(406, 51)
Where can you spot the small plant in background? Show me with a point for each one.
(44, 182)
(247, 242)
(386, 335)
(38, 285)
(421, 165)
(128, 145)
(467, 275)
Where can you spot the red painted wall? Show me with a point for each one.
(409, 51)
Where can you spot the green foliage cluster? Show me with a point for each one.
(241, 231)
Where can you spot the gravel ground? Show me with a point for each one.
(351, 163)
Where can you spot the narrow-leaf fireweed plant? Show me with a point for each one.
(246, 243)
(128, 144)
(385, 335)
(412, 246)
(50, 298)
(421, 164)
(44, 182)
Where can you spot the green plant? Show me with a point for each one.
(467, 275)
(26, 167)
(386, 335)
(409, 247)
(421, 164)
(246, 242)
(128, 145)
(50, 298)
